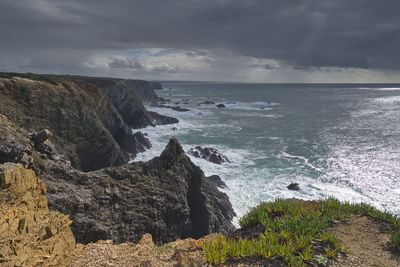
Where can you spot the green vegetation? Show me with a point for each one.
(395, 239)
(53, 79)
(163, 248)
(295, 232)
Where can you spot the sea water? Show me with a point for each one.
(340, 140)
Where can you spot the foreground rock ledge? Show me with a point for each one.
(30, 234)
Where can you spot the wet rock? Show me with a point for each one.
(209, 154)
(294, 186)
(215, 179)
(178, 108)
(206, 103)
(159, 119)
(220, 106)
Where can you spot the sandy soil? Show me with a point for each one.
(368, 243)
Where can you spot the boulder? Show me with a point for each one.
(294, 186)
(42, 136)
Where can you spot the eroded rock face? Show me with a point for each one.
(30, 234)
(208, 153)
(127, 96)
(88, 128)
(168, 197)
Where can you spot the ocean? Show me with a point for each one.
(340, 140)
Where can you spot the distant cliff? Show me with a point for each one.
(128, 95)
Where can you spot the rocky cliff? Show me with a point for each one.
(88, 128)
(168, 197)
(127, 96)
(30, 234)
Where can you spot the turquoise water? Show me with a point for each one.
(334, 140)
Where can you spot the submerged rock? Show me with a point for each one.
(178, 108)
(206, 103)
(208, 153)
(220, 106)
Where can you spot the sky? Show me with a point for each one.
(204, 40)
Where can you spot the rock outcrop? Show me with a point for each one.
(208, 153)
(168, 196)
(30, 234)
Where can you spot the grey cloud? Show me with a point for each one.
(119, 63)
(304, 33)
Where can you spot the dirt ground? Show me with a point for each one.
(368, 243)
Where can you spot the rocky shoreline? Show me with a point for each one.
(69, 197)
(75, 134)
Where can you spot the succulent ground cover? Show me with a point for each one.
(292, 232)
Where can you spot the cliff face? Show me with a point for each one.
(168, 197)
(156, 85)
(87, 126)
(30, 234)
(127, 96)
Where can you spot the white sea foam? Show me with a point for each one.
(379, 89)
(251, 106)
(388, 99)
(303, 159)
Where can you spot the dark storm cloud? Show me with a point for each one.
(302, 33)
